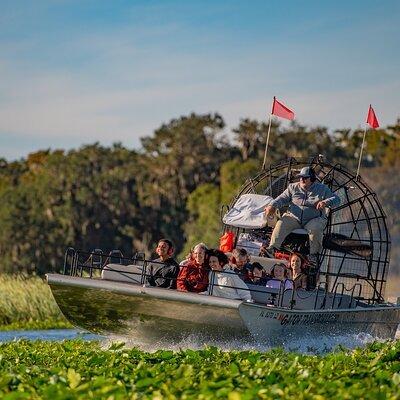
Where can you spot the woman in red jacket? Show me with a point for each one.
(193, 276)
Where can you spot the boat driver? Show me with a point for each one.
(307, 201)
(163, 271)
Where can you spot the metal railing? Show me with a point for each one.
(90, 265)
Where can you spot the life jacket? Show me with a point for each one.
(226, 242)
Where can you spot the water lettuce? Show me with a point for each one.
(78, 369)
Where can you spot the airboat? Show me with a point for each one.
(106, 293)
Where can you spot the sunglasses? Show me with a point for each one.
(304, 178)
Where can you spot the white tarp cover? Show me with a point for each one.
(248, 212)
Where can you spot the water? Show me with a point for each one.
(311, 345)
(49, 334)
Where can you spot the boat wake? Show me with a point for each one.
(304, 345)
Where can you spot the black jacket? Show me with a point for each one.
(163, 274)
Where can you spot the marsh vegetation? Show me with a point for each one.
(27, 303)
(77, 369)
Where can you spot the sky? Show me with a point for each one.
(79, 72)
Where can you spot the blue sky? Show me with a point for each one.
(75, 72)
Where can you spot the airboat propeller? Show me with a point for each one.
(356, 238)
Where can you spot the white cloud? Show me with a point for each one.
(58, 107)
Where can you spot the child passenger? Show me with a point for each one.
(279, 275)
(226, 283)
(257, 275)
(193, 275)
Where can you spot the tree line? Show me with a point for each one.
(172, 186)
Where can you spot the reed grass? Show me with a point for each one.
(27, 303)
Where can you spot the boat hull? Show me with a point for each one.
(147, 314)
(277, 324)
(150, 314)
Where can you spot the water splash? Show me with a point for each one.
(304, 345)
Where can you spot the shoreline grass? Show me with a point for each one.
(27, 303)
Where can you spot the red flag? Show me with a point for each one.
(281, 110)
(371, 118)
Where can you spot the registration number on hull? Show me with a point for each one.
(300, 319)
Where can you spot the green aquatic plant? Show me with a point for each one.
(82, 370)
(27, 303)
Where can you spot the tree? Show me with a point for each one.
(251, 137)
(204, 204)
(204, 223)
(86, 199)
(180, 156)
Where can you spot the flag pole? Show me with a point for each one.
(269, 130)
(362, 148)
(266, 144)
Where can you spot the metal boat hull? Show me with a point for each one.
(150, 314)
(277, 324)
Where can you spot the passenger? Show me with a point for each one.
(258, 275)
(164, 271)
(307, 201)
(279, 278)
(299, 276)
(240, 264)
(225, 282)
(193, 276)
